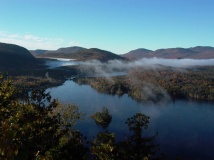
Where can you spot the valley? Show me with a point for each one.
(94, 79)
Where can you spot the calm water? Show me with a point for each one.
(185, 128)
(59, 62)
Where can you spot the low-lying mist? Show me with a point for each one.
(97, 68)
(146, 88)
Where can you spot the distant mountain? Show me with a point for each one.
(173, 53)
(138, 54)
(97, 54)
(202, 49)
(60, 53)
(204, 52)
(81, 54)
(69, 49)
(38, 52)
(14, 56)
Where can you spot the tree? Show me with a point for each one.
(37, 127)
(102, 118)
(139, 146)
(135, 147)
(104, 147)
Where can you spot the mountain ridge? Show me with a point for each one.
(140, 52)
(81, 54)
(198, 52)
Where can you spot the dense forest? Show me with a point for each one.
(157, 84)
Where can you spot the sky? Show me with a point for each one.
(118, 26)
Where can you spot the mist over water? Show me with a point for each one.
(112, 65)
(59, 62)
(179, 133)
(95, 67)
(119, 65)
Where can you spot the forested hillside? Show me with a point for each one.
(14, 56)
(157, 85)
(82, 54)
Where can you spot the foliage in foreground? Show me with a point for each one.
(135, 147)
(36, 127)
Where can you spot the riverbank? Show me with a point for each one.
(158, 85)
(142, 84)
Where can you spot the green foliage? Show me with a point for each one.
(135, 147)
(138, 122)
(140, 147)
(37, 127)
(103, 117)
(104, 147)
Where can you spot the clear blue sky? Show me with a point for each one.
(114, 25)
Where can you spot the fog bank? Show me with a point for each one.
(95, 67)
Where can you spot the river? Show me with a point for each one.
(185, 128)
(59, 62)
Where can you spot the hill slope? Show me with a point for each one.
(173, 53)
(61, 52)
(81, 54)
(205, 52)
(97, 54)
(38, 52)
(14, 56)
(138, 54)
(202, 49)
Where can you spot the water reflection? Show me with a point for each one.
(185, 128)
(59, 62)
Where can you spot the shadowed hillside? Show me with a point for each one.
(14, 56)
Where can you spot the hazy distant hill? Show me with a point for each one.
(138, 54)
(82, 54)
(64, 51)
(59, 53)
(202, 49)
(204, 52)
(173, 53)
(14, 56)
(69, 49)
(38, 52)
(94, 53)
